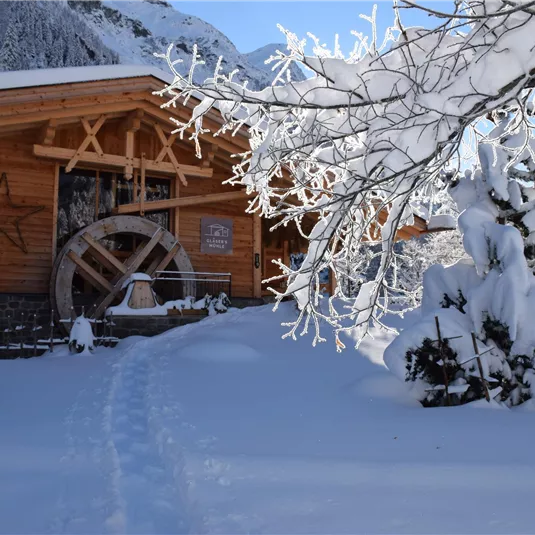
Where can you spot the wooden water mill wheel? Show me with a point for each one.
(93, 257)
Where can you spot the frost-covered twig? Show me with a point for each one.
(353, 147)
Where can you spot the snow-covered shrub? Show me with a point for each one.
(81, 339)
(491, 294)
(203, 303)
(221, 303)
(181, 304)
(214, 305)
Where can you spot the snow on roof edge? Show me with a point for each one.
(69, 75)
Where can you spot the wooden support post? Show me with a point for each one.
(55, 212)
(48, 132)
(135, 187)
(52, 331)
(97, 194)
(176, 216)
(129, 154)
(480, 367)
(257, 256)
(142, 186)
(113, 190)
(34, 332)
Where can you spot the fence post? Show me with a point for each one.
(480, 366)
(441, 353)
(21, 332)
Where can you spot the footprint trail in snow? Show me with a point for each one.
(150, 499)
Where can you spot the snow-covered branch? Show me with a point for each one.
(368, 134)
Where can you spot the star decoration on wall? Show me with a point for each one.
(12, 214)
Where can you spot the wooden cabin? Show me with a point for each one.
(84, 145)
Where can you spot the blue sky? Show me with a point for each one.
(252, 24)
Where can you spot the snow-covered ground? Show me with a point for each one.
(222, 427)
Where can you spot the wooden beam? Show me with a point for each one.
(167, 149)
(114, 160)
(257, 261)
(102, 255)
(65, 113)
(49, 132)
(209, 156)
(90, 139)
(133, 121)
(79, 90)
(165, 260)
(166, 204)
(92, 132)
(213, 122)
(89, 274)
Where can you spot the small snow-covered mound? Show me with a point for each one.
(217, 351)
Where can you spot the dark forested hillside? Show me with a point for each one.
(41, 34)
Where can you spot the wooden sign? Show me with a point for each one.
(216, 235)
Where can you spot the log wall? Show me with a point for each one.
(33, 181)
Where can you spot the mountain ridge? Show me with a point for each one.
(43, 34)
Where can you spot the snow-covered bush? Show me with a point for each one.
(492, 294)
(81, 339)
(214, 305)
(220, 304)
(355, 146)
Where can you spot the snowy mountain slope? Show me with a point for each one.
(222, 427)
(135, 30)
(43, 34)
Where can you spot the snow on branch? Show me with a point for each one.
(352, 147)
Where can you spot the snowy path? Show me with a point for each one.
(147, 499)
(222, 427)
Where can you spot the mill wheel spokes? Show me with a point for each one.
(88, 258)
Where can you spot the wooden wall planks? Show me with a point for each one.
(33, 182)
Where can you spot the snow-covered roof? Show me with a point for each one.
(70, 75)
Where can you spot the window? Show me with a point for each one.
(85, 196)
